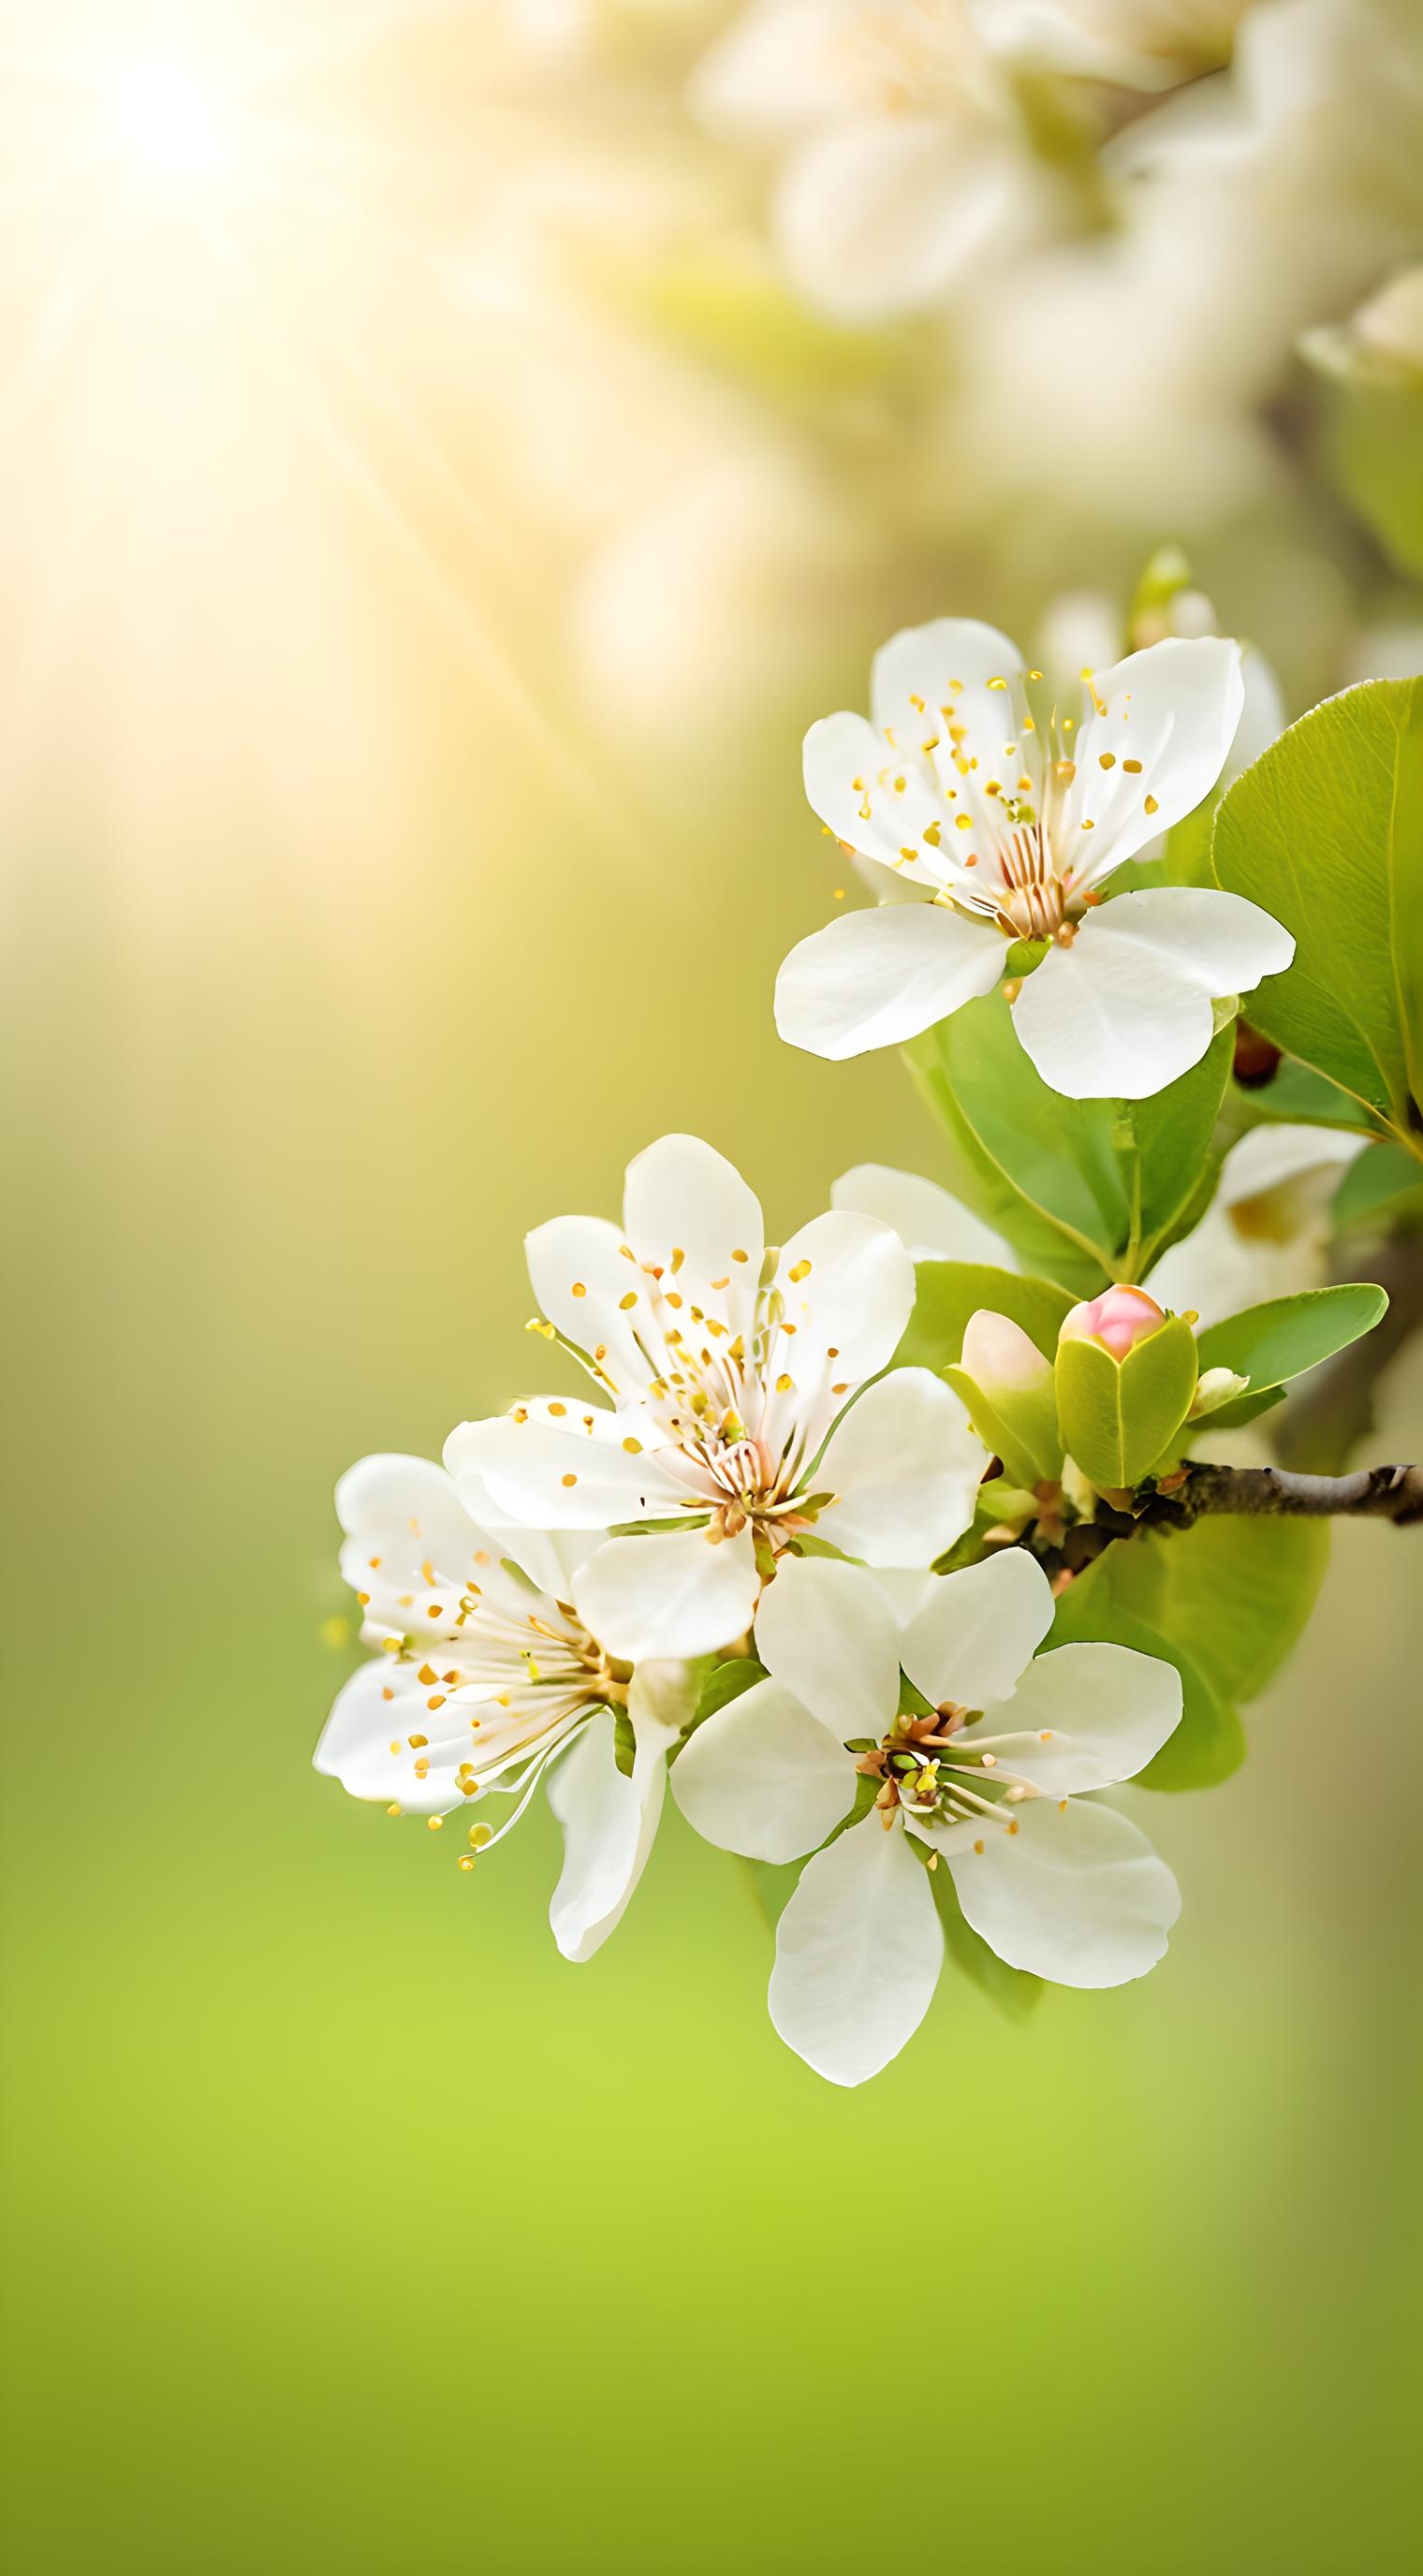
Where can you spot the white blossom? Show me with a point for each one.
(484, 1683)
(1266, 1231)
(1004, 816)
(994, 1784)
(747, 1406)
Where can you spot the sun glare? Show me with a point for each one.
(168, 122)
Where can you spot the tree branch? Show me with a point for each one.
(1371, 1493)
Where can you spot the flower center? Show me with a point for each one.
(923, 1771)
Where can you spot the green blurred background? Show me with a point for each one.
(349, 2227)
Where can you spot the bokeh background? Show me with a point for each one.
(449, 454)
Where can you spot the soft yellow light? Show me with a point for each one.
(168, 122)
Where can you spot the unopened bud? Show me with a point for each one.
(1118, 1319)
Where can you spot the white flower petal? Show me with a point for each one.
(1272, 1155)
(1127, 1008)
(570, 1472)
(1174, 709)
(905, 1466)
(609, 1824)
(412, 1548)
(846, 1286)
(411, 1502)
(870, 979)
(764, 1777)
(579, 1276)
(1082, 1717)
(365, 1742)
(683, 1198)
(671, 1593)
(930, 1224)
(858, 1954)
(874, 801)
(1072, 1892)
(979, 1630)
(950, 661)
(826, 1631)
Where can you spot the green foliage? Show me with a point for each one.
(1270, 1343)
(1375, 446)
(1226, 1602)
(624, 1742)
(1297, 1097)
(1013, 1990)
(1238, 1593)
(1023, 1432)
(1326, 832)
(1383, 1178)
(948, 1292)
(1119, 1416)
(1086, 1191)
(724, 1683)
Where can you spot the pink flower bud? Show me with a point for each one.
(1117, 1319)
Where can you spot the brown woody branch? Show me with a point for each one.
(1371, 1493)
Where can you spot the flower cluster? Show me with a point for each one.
(749, 1478)
(753, 1545)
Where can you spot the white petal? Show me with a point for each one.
(827, 1632)
(876, 801)
(365, 1743)
(609, 1824)
(978, 1630)
(1082, 1717)
(682, 1197)
(764, 1777)
(1072, 1892)
(858, 1954)
(951, 660)
(571, 1471)
(905, 1467)
(1262, 717)
(878, 217)
(409, 1501)
(1271, 1155)
(1175, 709)
(1127, 1009)
(930, 1224)
(579, 1276)
(671, 1593)
(870, 979)
(409, 1534)
(850, 1302)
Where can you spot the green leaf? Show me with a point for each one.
(1276, 1341)
(1377, 1179)
(948, 1292)
(1209, 1743)
(724, 1683)
(1326, 832)
(1300, 1098)
(1236, 1593)
(624, 1743)
(1013, 1990)
(1083, 1189)
(1118, 1417)
(1375, 447)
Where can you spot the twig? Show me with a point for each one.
(1371, 1493)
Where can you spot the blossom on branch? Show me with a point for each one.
(483, 1680)
(992, 815)
(992, 1781)
(746, 1406)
